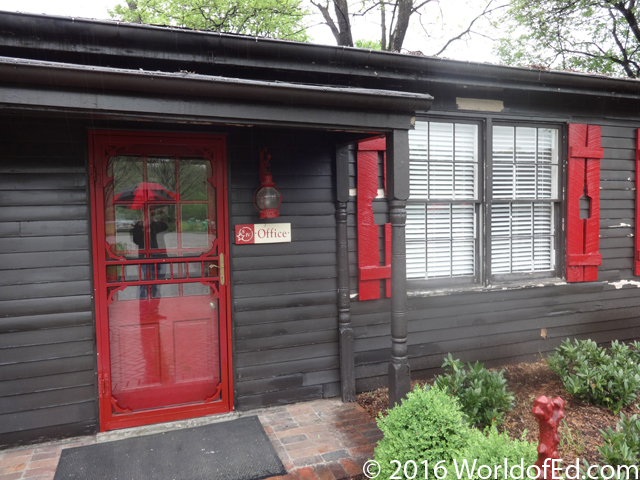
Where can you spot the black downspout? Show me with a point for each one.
(398, 193)
(347, 365)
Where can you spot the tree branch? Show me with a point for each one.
(324, 10)
(468, 29)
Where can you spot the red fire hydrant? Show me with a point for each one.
(548, 414)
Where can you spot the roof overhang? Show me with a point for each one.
(105, 40)
(37, 84)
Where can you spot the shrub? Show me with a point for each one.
(427, 425)
(492, 450)
(621, 449)
(482, 394)
(591, 374)
(622, 445)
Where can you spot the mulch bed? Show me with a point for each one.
(579, 437)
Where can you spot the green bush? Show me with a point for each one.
(492, 450)
(427, 425)
(590, 373)
(482, 394)
(622, 445)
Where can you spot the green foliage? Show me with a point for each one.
(619, 453)
(427, 425)
(590, 373)
(492, 450)
(482, 394)
(622, 445)
(267, 18)
(587, 35)
(370, 44)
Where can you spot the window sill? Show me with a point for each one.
(497, 286)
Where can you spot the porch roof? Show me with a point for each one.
(35, 84)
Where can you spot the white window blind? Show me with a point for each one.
(525, 169)
(441, 230)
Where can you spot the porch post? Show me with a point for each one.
(347, 363)
(397, 194)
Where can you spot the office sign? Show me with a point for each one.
(263, 233)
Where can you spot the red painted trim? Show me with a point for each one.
(586, 259)
(586, 152)
(102, 145)
(637, 231)
(375, 273)
(583, 236)
(378, 144)
(369, 269)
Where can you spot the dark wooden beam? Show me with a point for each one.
(161, 107)
(398, 193)
(347, 364)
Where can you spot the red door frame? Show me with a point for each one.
(102, 145)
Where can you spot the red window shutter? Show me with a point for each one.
(370, 272)
(583, 236)
(636, 260)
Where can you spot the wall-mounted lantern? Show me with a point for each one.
(267, 198)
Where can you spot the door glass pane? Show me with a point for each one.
(194, 225)
(127, 173)
(162, 171)
(193, 179)
(129, 230)
(162, 227)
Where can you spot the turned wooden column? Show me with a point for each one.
(397, 194)
(347, 362)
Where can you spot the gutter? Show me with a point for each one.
(36, 72)
(20, 33)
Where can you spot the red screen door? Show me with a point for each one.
(159, 211)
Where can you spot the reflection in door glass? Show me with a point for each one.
(127, 173)
(194, 225)
(190, 289)
(193, 179)
(129, 229)
(162, 227)
(162, 171)
(160, 207)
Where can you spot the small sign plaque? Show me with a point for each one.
(263, 233)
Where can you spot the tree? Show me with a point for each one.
(394, 17)
(600, 36)
(267, 18)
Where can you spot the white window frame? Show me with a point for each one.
(482, 274)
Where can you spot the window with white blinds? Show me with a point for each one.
(524, 193)
(441, 233)
(444, 231)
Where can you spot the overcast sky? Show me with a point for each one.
(477, 49)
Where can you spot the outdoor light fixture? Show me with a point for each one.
(267, 198)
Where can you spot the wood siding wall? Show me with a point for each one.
(47, 347)
(284, 295)
(505, 324)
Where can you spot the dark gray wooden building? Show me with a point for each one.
(428, 206)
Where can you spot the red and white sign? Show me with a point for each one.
(263, 233)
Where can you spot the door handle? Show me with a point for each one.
(220, 268)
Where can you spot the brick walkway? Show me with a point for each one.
(318, 440)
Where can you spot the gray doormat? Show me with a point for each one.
(234, 450)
